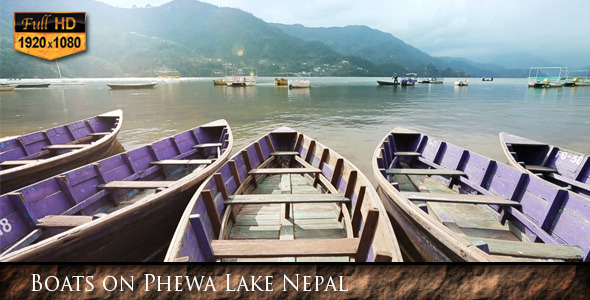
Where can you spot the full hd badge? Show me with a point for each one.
(49, 35)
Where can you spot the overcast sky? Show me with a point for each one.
(554, 30)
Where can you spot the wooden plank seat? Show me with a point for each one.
(276, 153)
(286, 198)
(65, 146)
(63, 221)
(459, 198)
(539, 169)
(17, 162)
(442, 172)
(183, 162)
(136, 184)
(276, 171)
(407, 153)
(208, 145)
(284, 248)
(533, 250)
(570, 181)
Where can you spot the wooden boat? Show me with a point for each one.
(566, 168)
(219, 82)
(431, 80)
(127, 86)
(299, 84)
(461, 82)
(7, 87)
(122, 208)
(39, 155)
(395, 83)
(487, 79)
(32, 85)
(451, 204)
(285, 197)
(281, 81)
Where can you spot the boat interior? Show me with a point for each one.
(496, 208)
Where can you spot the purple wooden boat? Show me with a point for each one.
(566, 168)
(122, 208)
(285, 197)
(35, 156)
(451, 204)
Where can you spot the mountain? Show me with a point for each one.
(187, 36)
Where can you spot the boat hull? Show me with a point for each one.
(191, 243)
(387, 83)
(131, 86)
(42, 168)
(442, 223)
(140, 226)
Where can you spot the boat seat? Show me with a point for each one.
(276, 153)
(63, 221)
(17, 162)
(286, 198)
(135, 184)
(539, 169)
(284, 248)
(407, 153)
(459, 198)
(208, 145)
(183, 162)
(569, 181)
(532, 250)
(442, 172)
(65, 146)
(275, 171)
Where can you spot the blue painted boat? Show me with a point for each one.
(285, 198)
(39, 155)
(451, 204)
(122, 208)
(565, 168)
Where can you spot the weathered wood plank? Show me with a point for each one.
(135, 184)
(66, 146)
(208, 145)
(539, 169)
(459, 198)
(63, 221)
(99, 133)
(444, 172)
(534, 250)
(407, 153)
(277, 153)
(281, 248)
(182, 162)
(570, 181)
(285, 198)
(274, 171)
(17, 162)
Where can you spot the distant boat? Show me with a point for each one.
(238, 78)
(122, 86)
(430, 80)
(299, 83)
(7, 87)
(380, 82)
(409, 79)
(219, 82)
(487, 79)
(32, 85)
(577, 78)
(461, 82)
(546, 77)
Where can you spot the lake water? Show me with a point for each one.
(349, 115)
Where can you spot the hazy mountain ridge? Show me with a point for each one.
(199, 39)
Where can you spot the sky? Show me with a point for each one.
(478, 30)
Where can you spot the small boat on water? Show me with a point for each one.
(220, 82)
(487, 79)
(32, 85)
(430, 80)
(451, 204)
(409, 79)
(7, 87)
(242, 77)
(461, 82)
(547, 77)
(39, 155)
(285, 197)
(130, 86)
(122, 208)
(394, 83)
(281, 81)
(565, 168)
(299, 83)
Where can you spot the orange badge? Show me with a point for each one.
(50, 35)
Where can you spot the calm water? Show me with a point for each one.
(350, 115)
